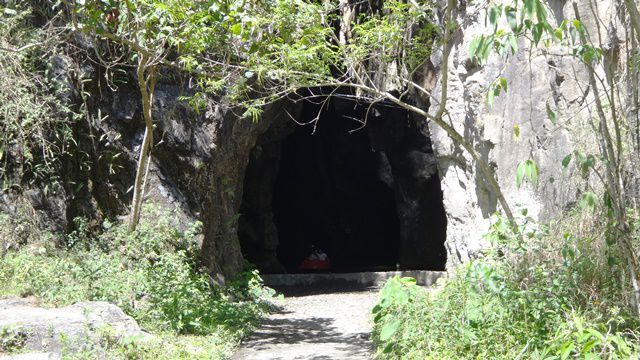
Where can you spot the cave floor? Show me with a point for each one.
(318, 323)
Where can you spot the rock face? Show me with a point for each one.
(201, 160)
(66, 329)
(537, 80)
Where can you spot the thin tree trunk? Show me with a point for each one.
(146, 78)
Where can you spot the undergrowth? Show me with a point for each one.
(152, 275)
(558, 294)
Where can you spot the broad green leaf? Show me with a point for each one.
(529, 8)
(473, 46)
(566, 161)
(558, 34)
(536, 31)
(531, 171)
(541, 12)
(566, 350)
(389, 329)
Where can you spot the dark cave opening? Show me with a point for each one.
(334, 192)
(369, 197)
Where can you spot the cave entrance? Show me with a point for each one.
(367, 196)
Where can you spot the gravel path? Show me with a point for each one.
(326, 324)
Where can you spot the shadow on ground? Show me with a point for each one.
(318, 322)
(307, 331)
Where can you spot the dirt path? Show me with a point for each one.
(330, 324)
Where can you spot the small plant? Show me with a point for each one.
(396, 294)
(12, 340)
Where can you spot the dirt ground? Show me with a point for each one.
(315, 324)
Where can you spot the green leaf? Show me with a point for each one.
(513, 42)
(566, 161)
(589, 199)
(473, 46)
(519, 174)
(494, 14)
(516, 132)
(558, 34)
(531, 171)
(510, 13)
(389, 329)
(529, 6)
(527, 170)
(552, 115)
(490, 96)
(566, 350)
(536, 31)
(503, 84)
(236, 29)
(541, 12)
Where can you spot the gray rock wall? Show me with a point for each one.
(200, 159)
(537, 77)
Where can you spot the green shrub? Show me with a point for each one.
(557, 295)
(151, 274)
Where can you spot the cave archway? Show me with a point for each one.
(368, 196)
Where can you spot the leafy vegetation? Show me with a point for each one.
(568, 290)
(608, 126)
(35, 120)
(560, 295)
(151, 274)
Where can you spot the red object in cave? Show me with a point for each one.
(313, 264)
(316, 261)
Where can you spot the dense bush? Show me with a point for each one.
(151, 274)
(559, 295)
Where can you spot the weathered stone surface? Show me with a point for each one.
(200, 158)
(70, 328)
(536, 79)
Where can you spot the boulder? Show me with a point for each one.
(46, 332)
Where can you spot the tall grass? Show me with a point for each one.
(559, 294)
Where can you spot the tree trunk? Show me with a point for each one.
(146, 82)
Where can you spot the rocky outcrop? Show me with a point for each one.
(516, 128)
(78, 327)
(201, 158)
